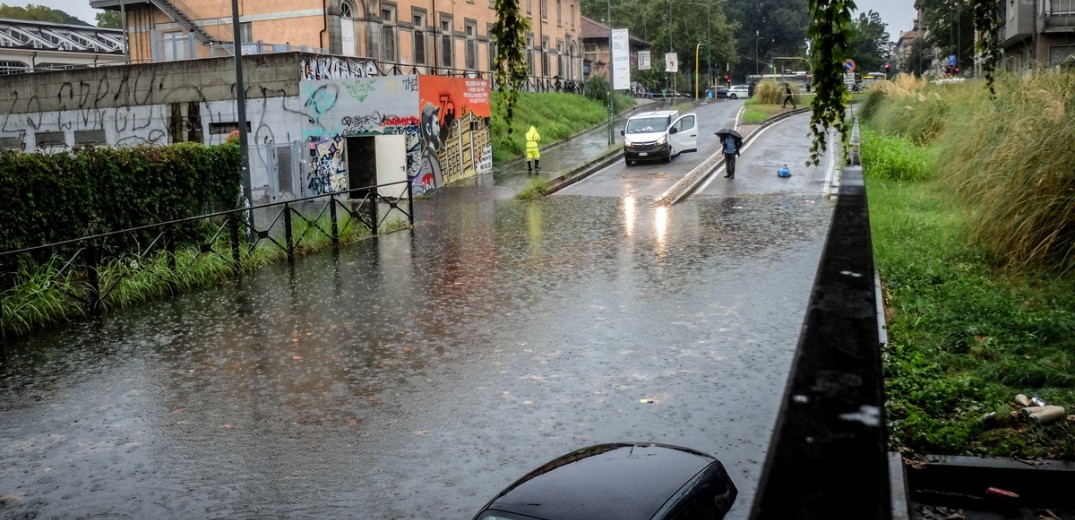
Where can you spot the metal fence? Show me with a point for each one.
(233, 235)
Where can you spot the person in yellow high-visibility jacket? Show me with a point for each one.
(532, 152)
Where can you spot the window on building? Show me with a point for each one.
(545, 57)
(472, 44)
(572, 9)
(388, 33)
(559, 13)
(530, 54)
(175, 45)
(529, 8)
(419, 37)
(491, 47)
(246, 32)
(544, 6)
(446, 41)
(560, 58)
(347, 31)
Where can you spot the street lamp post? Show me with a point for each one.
(757, 35)
(696, 49)
(611, 72)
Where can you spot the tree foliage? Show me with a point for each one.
(769, 29)
(868, 44)
(951, 28)
(509, 71)
(38, 13)
(109, 20)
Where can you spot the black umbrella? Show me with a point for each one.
(728, 131)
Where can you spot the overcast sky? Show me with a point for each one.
(897, 15)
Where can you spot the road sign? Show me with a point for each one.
(670, 62)
(849, 65)
(952, 60)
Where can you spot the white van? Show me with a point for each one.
(662, 135)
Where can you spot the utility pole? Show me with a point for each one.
(611, 72)
(240, 103)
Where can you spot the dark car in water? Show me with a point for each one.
(622, 481)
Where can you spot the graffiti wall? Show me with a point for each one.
(445, 122)
(455, 129)
(317, 67)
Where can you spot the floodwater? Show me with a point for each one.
(417, 374)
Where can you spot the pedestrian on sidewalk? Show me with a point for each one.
(789, 97)
(731, 145)
(532, 152)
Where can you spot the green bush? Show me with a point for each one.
(96, 190)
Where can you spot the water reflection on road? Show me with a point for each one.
(415, 375)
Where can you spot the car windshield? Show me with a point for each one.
(647, 124)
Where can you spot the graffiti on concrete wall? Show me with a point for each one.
(455, 122)
(334, 67)
(328, 168)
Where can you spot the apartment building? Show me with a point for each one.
(1037, 34)
(443, 37)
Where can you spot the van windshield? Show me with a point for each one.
(644, 125)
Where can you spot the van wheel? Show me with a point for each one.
(668, 156)
(628, 162)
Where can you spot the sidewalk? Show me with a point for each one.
(568, 155)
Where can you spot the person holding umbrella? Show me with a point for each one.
(731, 142)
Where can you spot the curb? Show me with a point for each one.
(958, 481)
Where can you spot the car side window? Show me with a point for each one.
(685, 123)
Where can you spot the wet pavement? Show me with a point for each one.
(417, 374)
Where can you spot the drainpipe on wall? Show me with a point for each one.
(321, 36)
(436, 27)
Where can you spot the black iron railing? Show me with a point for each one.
(232, 235)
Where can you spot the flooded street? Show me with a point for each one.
(417, 374)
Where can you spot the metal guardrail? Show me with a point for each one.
(344, 208)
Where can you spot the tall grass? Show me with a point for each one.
(42, 295)
(1009, 159)
(968, 327)
(894, 157)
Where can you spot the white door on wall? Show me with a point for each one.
(347, 34)
(391, 164)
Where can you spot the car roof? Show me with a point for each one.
(625, 481)
(655, 113)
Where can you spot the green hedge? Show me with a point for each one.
(56, 197)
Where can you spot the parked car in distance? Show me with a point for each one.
(623, 481)
(660, 134)
(739, 91)
(722, 92)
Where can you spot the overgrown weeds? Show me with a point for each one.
(968, 328)
(48, 293)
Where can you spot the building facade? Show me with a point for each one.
(1037, 34)
(442, 37)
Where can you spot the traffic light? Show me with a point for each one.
(886, 67)
(957, 71)
(727, 79)
(947, 70)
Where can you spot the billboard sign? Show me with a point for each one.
(621, 60)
